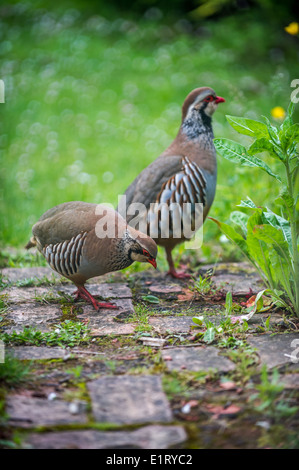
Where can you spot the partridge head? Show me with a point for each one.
(81, 240)
(185, 173)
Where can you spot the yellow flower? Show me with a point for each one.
(278, 112)
(293, 28)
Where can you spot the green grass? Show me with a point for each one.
(67, 333)
(90, 102)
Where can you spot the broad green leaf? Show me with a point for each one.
(291, 109)
(273, 132)
(280, 223)
(281, 271)
(248, 126)
(289, 136)
(241, 219)
(198, 320)
(265, 145)
(209, 335)
(151, 298)
(238, 154)
(273, 236)
(228, 302)
(247, 203)
(258, 250)
(288, 121)
(285, 199)
(230, 150)
(234, 236)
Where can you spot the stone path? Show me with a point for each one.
(144, 376)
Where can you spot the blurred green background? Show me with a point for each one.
(93, 94)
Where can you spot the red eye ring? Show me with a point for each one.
(145, 252)
(208, 99)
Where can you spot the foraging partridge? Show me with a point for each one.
(81, 241)
(184, 173)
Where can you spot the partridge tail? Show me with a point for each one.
(31, 243)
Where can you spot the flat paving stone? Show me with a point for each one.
(196, 359)
(106, 321)
(26, 294)
(44, 317)
(129, 399)
(27, 412)
(148, 437)
(238, 278)
(125, 306)
(277, 350)
(35, 315)
(169, 325)
(291, 381)
(165, 289)
(37, 352)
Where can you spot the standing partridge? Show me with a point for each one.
(81, 241)
(184, 173)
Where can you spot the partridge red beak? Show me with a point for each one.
(219, 99)
(153, 262)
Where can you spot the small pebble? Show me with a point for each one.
(52, 396)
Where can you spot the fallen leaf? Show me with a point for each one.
(186, 296)
(218, 410)
(167, 358)
(232, 409)
(228, 385)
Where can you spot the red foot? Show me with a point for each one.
(85, 295)
(179, 275)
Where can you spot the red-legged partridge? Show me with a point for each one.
(184, 173)
(81, 241)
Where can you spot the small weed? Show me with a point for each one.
(111, 365)
(141, 317)
(3, 304)
(245, 359)
(47, 298)
(269, 391)
(75, 372)
(13, 371)
(203, 285)
(181, 383)
(227, 333)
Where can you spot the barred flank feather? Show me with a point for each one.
(65, 257)
(188, 186)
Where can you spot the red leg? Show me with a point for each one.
(83, 293)
(172, 271)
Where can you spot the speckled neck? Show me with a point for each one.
(120, 256)
(198, 124)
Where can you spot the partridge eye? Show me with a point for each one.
(208, 99)
(145, 252)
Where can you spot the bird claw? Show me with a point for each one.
(179, 274)
(106, 305)
(85, 295)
